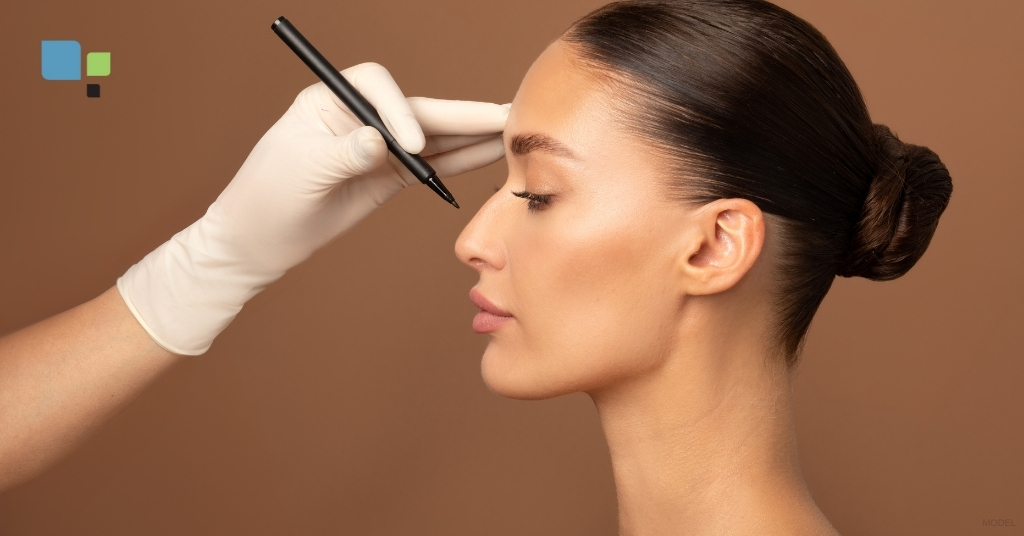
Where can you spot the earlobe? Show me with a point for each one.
(729, 239)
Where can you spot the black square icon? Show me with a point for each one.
(92, 90)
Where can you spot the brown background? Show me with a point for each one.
(347, 399)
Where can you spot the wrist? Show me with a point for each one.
(185, 292)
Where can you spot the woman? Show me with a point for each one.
(686, 179)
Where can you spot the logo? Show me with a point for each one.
(62, 60)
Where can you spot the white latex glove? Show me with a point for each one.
(314, 174)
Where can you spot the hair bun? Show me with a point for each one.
(908, 193)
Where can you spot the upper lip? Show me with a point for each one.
(484, 304)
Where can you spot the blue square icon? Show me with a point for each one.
(62, 60)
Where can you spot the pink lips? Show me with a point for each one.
(490, 317)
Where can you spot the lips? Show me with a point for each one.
(491, 317)
(484, 304)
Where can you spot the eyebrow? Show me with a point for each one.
(523, 144)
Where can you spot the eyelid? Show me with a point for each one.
(536, 201)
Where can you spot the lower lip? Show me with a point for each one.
(485, 322)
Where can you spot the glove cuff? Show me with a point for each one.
(122, 285)
(185, 292)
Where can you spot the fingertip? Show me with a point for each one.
(499, 115)
(410, 136)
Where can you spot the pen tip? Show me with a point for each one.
(456, 204)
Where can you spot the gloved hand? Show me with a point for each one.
(314, 174)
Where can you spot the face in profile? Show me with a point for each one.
(578, 252)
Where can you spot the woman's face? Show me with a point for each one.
(589, 277)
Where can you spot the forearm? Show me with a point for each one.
(62, 377)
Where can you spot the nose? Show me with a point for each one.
(480, 245)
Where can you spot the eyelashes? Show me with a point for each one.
(535, 201)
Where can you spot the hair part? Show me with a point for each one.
(746, 100)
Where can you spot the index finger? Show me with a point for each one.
(463, 118)
(375, 83)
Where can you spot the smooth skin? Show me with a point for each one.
(660, 310)
(62, 377)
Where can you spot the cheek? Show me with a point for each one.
(593, 303)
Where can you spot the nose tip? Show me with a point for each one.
(463, 245)
(467, 250)
(478, 246)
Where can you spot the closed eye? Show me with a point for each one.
(535, 201)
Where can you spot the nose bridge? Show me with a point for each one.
(481, 240)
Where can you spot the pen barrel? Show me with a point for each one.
(348, 94)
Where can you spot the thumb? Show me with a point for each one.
(359, 152)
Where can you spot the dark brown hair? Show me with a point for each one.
(750, 101)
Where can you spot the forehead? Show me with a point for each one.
(565, 101)
(558, 98)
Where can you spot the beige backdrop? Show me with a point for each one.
(346, 399)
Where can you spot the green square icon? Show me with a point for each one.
(97, 64)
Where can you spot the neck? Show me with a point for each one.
(706, 446)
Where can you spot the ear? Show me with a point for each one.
(728, 238)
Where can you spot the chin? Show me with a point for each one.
(510, 381)
(524, 377)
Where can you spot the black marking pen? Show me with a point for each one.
(358, 104)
